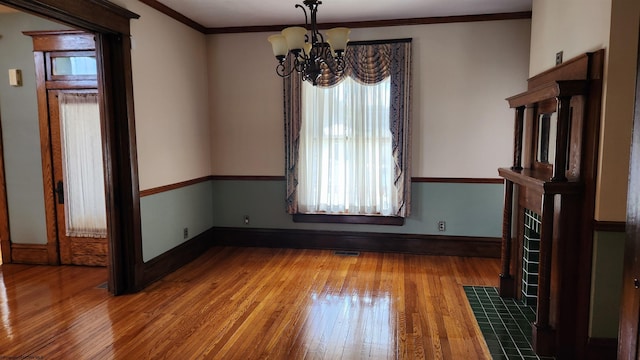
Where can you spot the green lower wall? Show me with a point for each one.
(606, 283)
(20, 129)
(468, 209)
(165, 215)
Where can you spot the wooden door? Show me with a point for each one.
(629, 342)
(78, 244)
(66, 65)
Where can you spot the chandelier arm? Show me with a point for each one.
(281, 70)
(306, 19)
(313, 8)
(306, 22)
(320, 39)
(340, 67)
(300, 66)
(324, 50)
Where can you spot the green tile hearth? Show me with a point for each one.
(504, 323)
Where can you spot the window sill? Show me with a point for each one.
(349, 219)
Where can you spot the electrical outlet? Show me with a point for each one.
(185, 232)
(246, 219)
(559, 58)
(442, 225)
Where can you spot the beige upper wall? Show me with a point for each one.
(462, 72)
(618, 106)
(571, 26)
(245, 105)
(579, 26)
(170, 94)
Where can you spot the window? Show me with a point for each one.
(346, 162)
(347, 138)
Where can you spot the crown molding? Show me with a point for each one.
(175, 15)
(380, 23)
(354, 25)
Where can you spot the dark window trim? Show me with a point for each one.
(348, 219)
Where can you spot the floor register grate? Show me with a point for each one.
(346, 253)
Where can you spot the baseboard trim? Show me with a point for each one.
(174, 259)
(602, 348)
(609, 226)
(359, 241)
(34, 254)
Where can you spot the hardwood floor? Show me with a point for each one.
(251, 303)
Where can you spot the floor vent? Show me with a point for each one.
(346, 253)
(102, 286)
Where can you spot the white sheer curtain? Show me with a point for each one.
(85, 209)
(346, 164)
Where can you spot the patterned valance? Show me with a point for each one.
(366, 63)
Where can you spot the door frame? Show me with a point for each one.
(110, 24)
(628, 339)
(5, 243)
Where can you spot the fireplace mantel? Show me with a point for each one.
(556, 134)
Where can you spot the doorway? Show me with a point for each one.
(71, 145)
(110, 26)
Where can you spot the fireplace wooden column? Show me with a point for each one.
(507, 285)
(507, 280)
(553, 176)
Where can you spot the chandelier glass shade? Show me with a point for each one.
(310, 52)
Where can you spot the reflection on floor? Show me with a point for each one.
(505, 323)
(251, 303)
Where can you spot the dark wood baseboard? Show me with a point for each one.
(35, 254)
(602, 349)
(174, 259)
(609, 226)
(357, 241)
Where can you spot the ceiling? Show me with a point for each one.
(232, 13)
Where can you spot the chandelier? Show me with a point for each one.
(311, 53)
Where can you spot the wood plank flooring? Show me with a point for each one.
(251, 303)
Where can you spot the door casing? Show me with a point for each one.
(628, 333)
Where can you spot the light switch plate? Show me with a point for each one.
(15, 77)
(559, 57)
